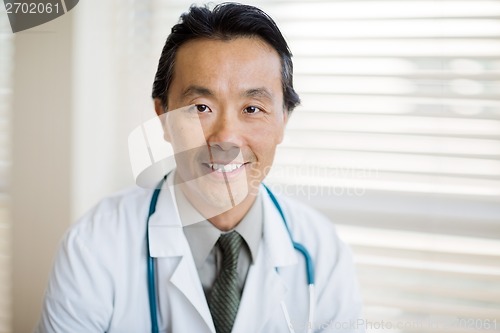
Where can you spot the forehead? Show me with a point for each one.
(211, 58)
(246, 47)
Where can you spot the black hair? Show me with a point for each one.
(224, 22)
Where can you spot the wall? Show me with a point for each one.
(41, 184)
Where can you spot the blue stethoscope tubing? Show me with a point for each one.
(151, 268)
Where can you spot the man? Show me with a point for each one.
(223, 259)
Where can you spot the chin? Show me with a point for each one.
(214, 198)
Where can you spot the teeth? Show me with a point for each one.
(224, 168)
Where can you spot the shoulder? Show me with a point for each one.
(130, 199)
(98, 257)
(335, 273)
(124, 212)
(332, 257)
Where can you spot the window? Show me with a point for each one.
(398, 141)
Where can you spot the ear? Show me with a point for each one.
(161, 112)
(286, 114)
(159, 107)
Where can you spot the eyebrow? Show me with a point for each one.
(197, 91)
(262, 93)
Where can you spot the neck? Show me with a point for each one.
(230, 219)
(224, 217)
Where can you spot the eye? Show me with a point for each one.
(202, 108)
(251, 110)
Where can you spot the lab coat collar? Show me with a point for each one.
(166, 237)
(277, 242)
(167, 240)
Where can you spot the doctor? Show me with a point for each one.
(215, 243)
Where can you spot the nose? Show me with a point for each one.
(225, 133)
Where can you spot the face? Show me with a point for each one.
(225, 117)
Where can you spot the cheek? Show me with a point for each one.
(185, 134)
(264, 144)
(167, 134)
(275, 133)
(280, 135)
(266, 138)
(279, 127)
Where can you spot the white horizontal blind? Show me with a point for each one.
(398, 141)
(6, 58)
(408, 88)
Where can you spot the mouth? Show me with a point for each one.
(225, 168)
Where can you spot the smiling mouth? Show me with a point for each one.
(230, 167)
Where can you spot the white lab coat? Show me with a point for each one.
(99, 280)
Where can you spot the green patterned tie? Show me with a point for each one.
(225, 296)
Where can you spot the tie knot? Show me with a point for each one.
(230, 245)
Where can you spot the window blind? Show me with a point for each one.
(6, 57)
(398, 142)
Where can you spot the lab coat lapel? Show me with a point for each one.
(264, 288)
(186, 279)
(167, 240)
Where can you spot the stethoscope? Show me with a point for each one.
(299, 247)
